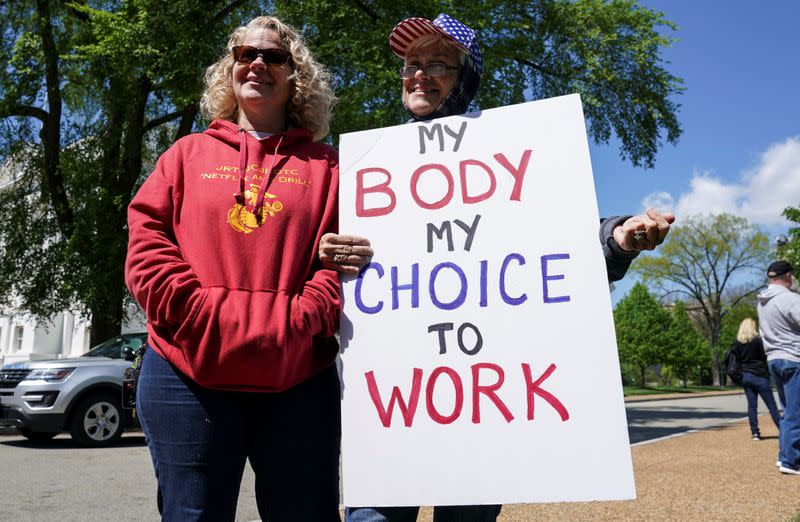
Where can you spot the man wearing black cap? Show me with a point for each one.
(779, 318)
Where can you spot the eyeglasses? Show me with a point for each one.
(248, 54)
(429, 69)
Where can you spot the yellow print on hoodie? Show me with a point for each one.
(244, 220)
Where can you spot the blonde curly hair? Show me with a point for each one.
(310, 105)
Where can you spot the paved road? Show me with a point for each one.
(64, 482)
(61, 481)
(648, 420)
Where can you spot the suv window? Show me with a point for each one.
(116, 347)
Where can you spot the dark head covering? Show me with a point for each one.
(469, 76)
(778, 268)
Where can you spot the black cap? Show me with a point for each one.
(779, 268)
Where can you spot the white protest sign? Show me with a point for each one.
(479, 361)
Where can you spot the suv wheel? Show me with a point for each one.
(97, 420)
(37, 436)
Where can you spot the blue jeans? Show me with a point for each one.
(779, 389)
(755, 385)
(787, 373)
(487, 513)
(200, 439)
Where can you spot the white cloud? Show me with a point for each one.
(760, 196)
(662, 201)
(709, 195)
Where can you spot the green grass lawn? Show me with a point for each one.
(653, 390)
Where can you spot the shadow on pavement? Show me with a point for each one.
(128, 441)
(636, 414)
(648, 423)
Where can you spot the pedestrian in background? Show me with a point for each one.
(222, 257)
(749, 351)
(779, 318)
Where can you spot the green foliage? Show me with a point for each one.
(714, 263)
(609, 52)
(687, 351)
(101, 94)
(641, 325)
(92, 91)
(791, 250)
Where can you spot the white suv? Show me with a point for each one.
(81, 395)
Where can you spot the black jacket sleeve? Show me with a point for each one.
(617, 260)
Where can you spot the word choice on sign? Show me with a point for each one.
(409, 282)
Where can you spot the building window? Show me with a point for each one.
(16, 342)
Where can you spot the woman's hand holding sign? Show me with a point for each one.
(345, 254)
(645, 231)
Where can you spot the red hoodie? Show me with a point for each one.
(233, 303)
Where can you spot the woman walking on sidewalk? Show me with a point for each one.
(755, 376)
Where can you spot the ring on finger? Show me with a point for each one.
(338, 258)
(639, 235)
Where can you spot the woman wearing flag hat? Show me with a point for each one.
(442, 67)
(441, 71)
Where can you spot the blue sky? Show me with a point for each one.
(740, 149)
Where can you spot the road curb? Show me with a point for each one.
(671, 396)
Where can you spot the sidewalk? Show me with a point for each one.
(719, 474)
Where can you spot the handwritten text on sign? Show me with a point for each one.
(466, 318)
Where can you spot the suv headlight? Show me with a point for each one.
(49, 374)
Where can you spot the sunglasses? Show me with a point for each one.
(248, 54)
(429, 69)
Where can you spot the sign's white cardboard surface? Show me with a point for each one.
(486, 309)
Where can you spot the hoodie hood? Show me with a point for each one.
(770, 292)
(228, 132)
(236, 136)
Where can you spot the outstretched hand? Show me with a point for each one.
(645, 231)
(345, 254)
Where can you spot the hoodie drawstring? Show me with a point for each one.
(242, 165)
(265, 182)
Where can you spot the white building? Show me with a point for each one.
(65, 335)
(23, 339)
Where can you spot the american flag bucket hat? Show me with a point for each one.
(412, 28)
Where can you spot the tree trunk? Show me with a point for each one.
(106, 325)
(715, 367)
(187, 120)
(121, 166)
(52, 177)
(642, 369)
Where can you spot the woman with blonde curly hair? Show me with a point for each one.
(749, 350)
(222, 258)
